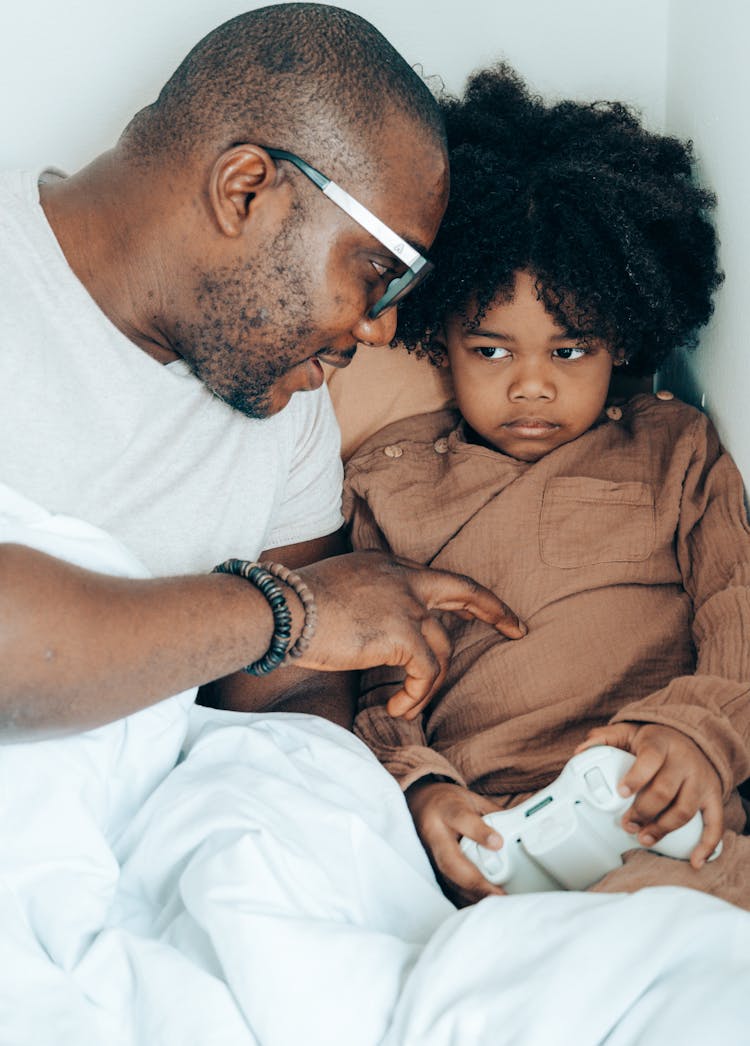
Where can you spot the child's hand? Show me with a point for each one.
(672, 779)
(442, 813)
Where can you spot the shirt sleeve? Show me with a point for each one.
(399, 744)
(712, 706)
(311, 505)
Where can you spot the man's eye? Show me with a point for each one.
(570, 352)
(493, 352)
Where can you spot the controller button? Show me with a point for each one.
(596, 783)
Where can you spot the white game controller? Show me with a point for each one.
(569, 835)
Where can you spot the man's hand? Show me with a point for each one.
(671, 779)
(442, 813)
(377, 610)
(79, 648)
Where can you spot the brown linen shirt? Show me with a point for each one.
(627, 553)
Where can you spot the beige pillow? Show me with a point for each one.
(382, 385)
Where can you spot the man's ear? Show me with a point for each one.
(238, 178)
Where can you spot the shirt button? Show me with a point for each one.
(441, 445)
(664, 394)
(392, 451)
(614, 413)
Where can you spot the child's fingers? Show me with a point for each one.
(649, 761)
(655, 789)
(484, 805)
(672, 817)
(617, 735)
(713, 829)
(679, 814)
(467, 884)
(466, 822)
(453, 863)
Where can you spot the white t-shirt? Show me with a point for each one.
(94, 427)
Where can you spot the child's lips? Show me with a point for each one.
(531, 428)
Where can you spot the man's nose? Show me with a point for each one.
(376, 332)
(532, 382)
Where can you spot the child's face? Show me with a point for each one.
(522, 383)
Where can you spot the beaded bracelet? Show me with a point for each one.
(307, 600)
(282, 618)
(261, 575)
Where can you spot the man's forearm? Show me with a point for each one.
(78, 649)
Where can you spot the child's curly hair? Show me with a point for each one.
(605, 214)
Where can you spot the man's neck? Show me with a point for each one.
(102, 238)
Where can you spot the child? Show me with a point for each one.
(575, 242)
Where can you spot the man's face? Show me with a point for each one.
(260, 325)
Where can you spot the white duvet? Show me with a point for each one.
(194, 877)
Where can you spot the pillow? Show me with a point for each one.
(382, 385)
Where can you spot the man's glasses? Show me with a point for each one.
(417, 266)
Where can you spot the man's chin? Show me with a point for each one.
(277, 397)
(259, 403)
(257, 407)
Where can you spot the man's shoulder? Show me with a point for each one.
(18, 190)
(307, 418)
(25, 237)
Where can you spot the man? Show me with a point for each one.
(200, 257)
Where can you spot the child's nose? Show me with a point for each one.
(532, 382)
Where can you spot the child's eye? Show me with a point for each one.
(570, 352)
(493, 352)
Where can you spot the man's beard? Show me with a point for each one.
(253, 323)
(244, 388)
(232, 348)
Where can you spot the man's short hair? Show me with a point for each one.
(313, 79)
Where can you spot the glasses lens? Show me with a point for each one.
(398, 288)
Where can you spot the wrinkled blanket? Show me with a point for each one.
(186, 876)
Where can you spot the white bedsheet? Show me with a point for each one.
(266, 886)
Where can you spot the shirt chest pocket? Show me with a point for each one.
(585, 521)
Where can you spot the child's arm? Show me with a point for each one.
(671, 779)
(400, 744)
(701, 720)
(442, 807)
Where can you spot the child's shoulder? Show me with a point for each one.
(409, 435)
(663, 410)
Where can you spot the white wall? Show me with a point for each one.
(72, 73)
(708, 93)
